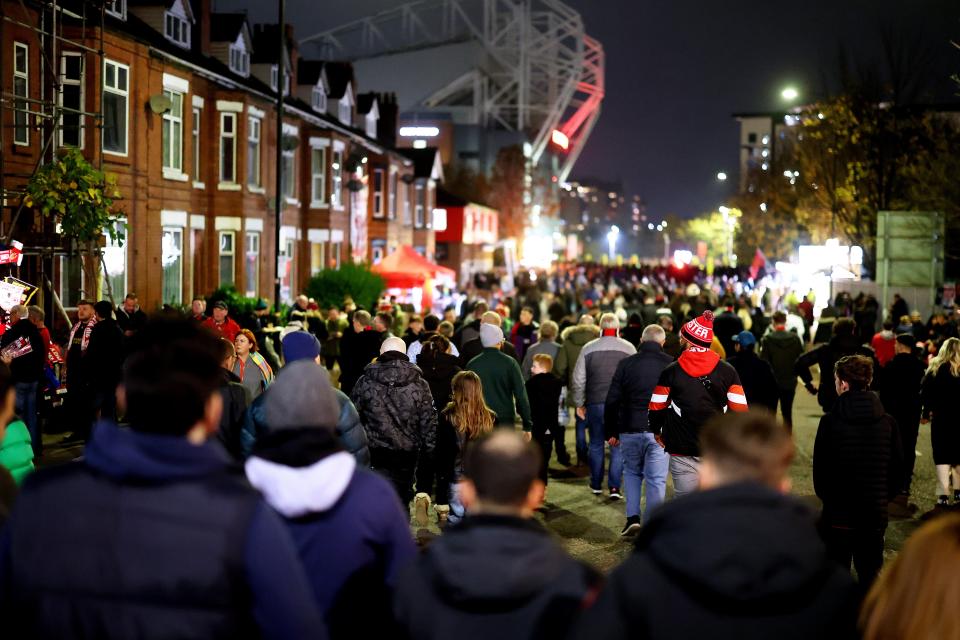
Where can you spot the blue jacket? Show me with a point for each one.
(349, 429)
(149, 537)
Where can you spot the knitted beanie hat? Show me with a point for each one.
(699, 331)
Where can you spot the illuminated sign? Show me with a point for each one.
(560, 139)
(419, 132)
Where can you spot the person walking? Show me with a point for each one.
(26, 370)
(431, 326)
(572, 341)
(626, 425)
(739, 559)
(941, 388)
(690, 391)
(236, 399)
(592, 375)
(503, 387)
(857, 470)
(253, 371)
(498, 573)
(884, 343)
(396, 410)
(543, 390)
(79, 403)
(546, 343)
(726, 325)
(359, 346)
(524, 332)
(756, 375)
(439, 366)
(352, 536)
(781, 348)
(473, 348)
(153, 534)
(221, 323)
(845, 342)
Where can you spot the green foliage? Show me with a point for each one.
(76, 195)
(331, 287)
(238, 305)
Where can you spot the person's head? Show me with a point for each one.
(542, 363)
(653, 333)
(491, 317)
(491, 335)
(745, 447)
(18, 312)
(393, 343)
(220, 311)
(587, 320)
(468, 411)
(198, 306)
(170, 379)
(301, 397)
(526, 315)
(500, 476)
(915, 316)
(949, 354)
(480, 308)
(8, 399)
(905, 343)
(844, 327)
(548, 331)
(888, 324)
(300, 345)
(383, 322)
(699, 331)
(361, 320)
(245, 343)
(84, 310)
(446, 329)
(103, 309)
(779, 319)
(745, 341)
(450, 315)
(608, 322)
(913, 596)
(853, 373)
(36, 315)
(228, 354)
(130, 303)
(303, 301)
(415, 324)
(434, 346)
(666, 322)
(431, 323)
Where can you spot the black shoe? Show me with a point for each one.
(565, 461)
(632, 526)
(615, 493)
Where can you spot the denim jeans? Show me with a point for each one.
(457, 510)
(643, 460)
(580, 426)
(26, 408)
(596, 451)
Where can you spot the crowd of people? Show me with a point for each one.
(243, 480)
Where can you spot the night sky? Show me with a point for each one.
(678, 69)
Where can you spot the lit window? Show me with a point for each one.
(392, 196)
(286, 266)
(116, 85)
(274, 75)
(344, 110)
(378, 193)
(228, 147)
(116, 8)
(227, 258)
(319, 99)
(176, 29)
(71, 100)
(405, 199)
(21, 91)
(253, 152)
(252, 264)
(171, 261)
(421, 205)
(114, 261)
(172, 132)
(336, 179)
(318, 175)
(239, 61)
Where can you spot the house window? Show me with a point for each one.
(286, 268)
(421, 205)
(405, 199)
(228, 147)
(318, 175)
(239, 61)
(319, 99)
(171, 137)
(171, 252)
(196, 144)
(336, 179)
(116, 85)
(71, 100)
(116, 8)
(21, 91)
(392, 196)
(344, 110)
(176, 29)
(227, 258)
(274, 75)
(335, 250)
(378, 193)
(289, 176)
(317, 257)
(253, 152)
(378, 249)
(114, 277)
(252, 264)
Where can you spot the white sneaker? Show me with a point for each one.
(421, 509)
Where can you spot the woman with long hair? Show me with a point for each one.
(913, 597)
(439, 366)
(468, 417)
(941, 388)
(250, 366)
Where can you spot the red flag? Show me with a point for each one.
(759, 262)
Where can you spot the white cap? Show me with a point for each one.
(393, 344)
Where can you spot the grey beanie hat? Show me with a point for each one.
(301, 396)
(490, 335)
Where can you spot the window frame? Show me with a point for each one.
(318, 173)
(336, 179)
(79, 82)
(239, 60)
(377, 192)
(230, 253)
(171, 20)
(419, 205)
(407, 210)
(232, 138)
(247, 254)
(255, 125)
(24, 77)
(173, 121)
(121, 13)
(392, 195)
(177, 231)
(318, 99)
(197, 114)
(125, 94)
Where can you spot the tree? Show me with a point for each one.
(80, 199)
(717, 229)
(506, 190)
(331, 287)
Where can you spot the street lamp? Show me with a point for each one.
(612, 241)
(721, 176)
(789, 94)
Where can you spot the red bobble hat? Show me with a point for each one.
(699, 331)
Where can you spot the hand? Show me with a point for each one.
(527, 436)
(613, 442)
(659, 440)
(812, 390)
(6, 359)
(582, 413)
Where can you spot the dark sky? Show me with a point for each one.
(678, 69)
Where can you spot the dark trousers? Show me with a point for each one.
(561, 447)
(786, 405)
(399, 467)
(862, 546)
(544, 442)
(909, 427)
(80, 410)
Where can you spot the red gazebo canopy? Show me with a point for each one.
(405, 268)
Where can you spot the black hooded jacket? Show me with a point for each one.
(826, 356)
(492, 577)
(857, 462)
(439, 372)
(742, 562)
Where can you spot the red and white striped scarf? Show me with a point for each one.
(85, 339)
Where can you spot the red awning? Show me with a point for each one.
(405, 268)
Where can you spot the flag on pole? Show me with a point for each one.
(759, 262)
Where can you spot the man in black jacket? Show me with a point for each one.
(105, 357)
(844, 342)
(756, 375)
(236, 399)
(899, 389)
(26, 370)
(626, 424)
(738, 559)
(498, 573)
(359, 345)
(857, 469)
(781, 348)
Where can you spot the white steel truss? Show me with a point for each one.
(539, 71)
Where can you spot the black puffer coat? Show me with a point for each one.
(395, 405)
(439, 372)
(857, 461)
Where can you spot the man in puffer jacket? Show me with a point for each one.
(351, 534)
(301, 345)
(572, 341)
(396, 409)
(695, 388)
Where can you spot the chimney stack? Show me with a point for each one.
(389, 114)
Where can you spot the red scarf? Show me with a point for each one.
(609, 332)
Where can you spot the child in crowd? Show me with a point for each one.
(543, 390)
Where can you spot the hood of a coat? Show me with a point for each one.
(698, 362)
(845, 345)
(580, 334)
(297, 491)
(859, 407)
(392, 373)
(494, 561)
(445, 365)
(737, 546)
